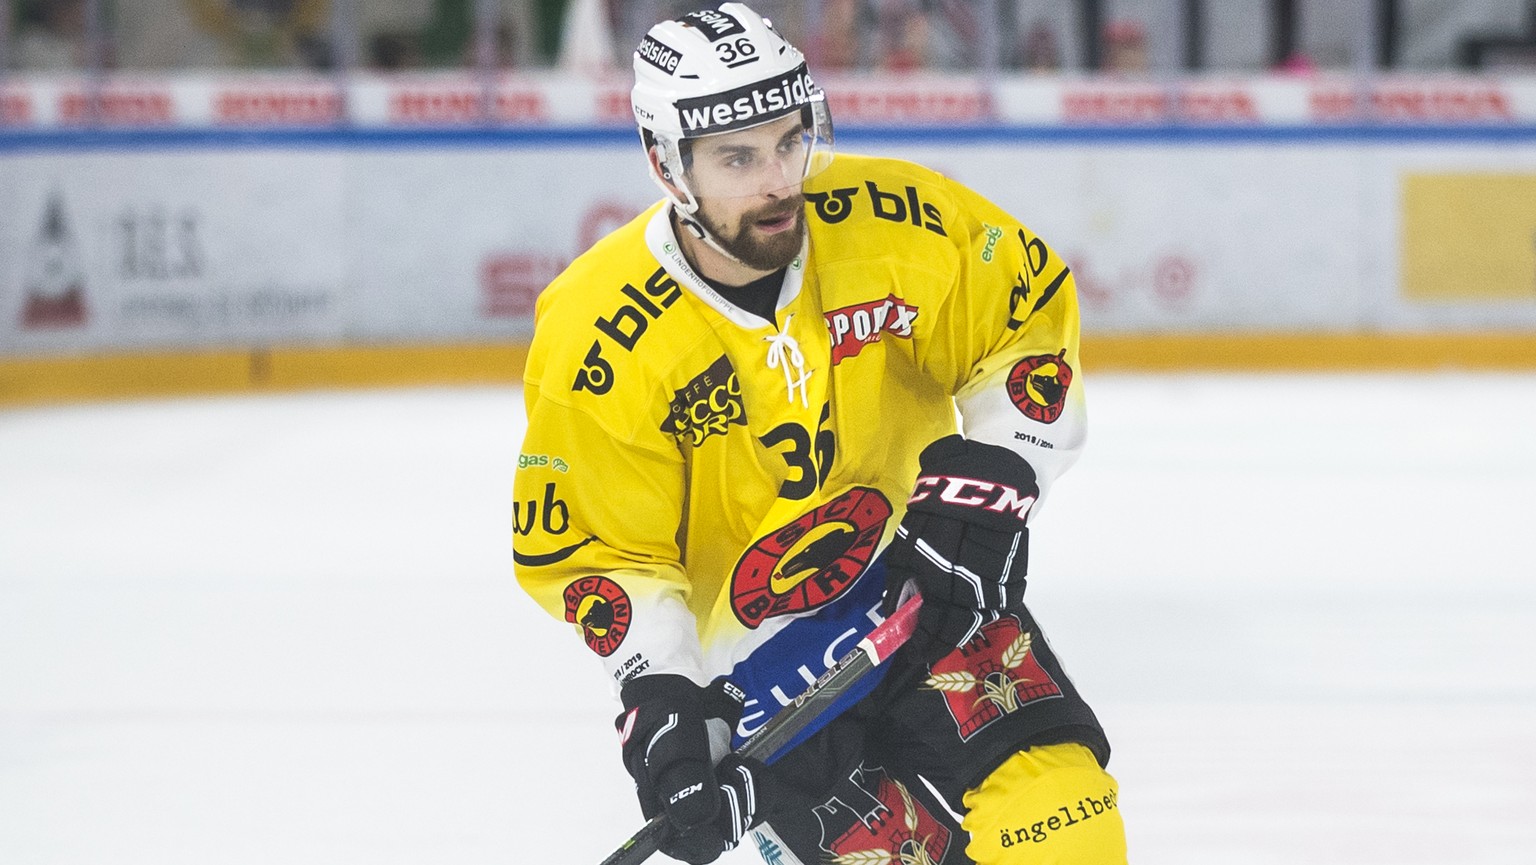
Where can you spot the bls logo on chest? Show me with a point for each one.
(905, 206)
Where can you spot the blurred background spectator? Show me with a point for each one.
(49, 35)
(1039, 50)
(1125, 48)
(834, 44)
(1129, 37)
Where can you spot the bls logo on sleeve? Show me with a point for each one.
(602, 609)
(1038, 386)
(906, 206)
(624, 329)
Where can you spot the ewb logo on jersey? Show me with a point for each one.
(549, 518)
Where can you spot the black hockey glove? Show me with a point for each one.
(665, 738)
(963, 542)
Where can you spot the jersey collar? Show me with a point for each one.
(662, 241)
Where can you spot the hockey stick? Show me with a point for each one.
(871, 652)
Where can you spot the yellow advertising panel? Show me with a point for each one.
(1468, 237)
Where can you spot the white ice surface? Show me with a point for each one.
(283, 630)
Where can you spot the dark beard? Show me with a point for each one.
(765, 254)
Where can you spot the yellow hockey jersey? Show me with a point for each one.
(694, 478)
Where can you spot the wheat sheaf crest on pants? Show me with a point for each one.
(1001, 691)
(913, 851)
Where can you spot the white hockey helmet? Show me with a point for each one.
(713, 72)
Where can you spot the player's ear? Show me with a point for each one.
(661, 170)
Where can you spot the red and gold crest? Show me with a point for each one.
(602, 609)
(811, 561)
(1038, 386)
(993, 675)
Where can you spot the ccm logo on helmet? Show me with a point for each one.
(746, 105)
(973, 493)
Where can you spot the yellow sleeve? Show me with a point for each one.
(598, 506)
(1012, 319)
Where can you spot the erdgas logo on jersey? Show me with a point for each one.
(747, 105)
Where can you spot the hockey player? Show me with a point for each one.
(743, 447)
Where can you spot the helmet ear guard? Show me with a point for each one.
(669, 170)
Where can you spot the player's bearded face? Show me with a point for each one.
(765, 237)
(748, 188)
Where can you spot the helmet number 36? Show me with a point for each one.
(737, 53)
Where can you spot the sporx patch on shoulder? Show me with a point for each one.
(1038, 386)
(602, 609)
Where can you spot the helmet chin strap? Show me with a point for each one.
(697, 229)
(684, 205)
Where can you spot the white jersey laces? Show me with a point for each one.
(784, 351)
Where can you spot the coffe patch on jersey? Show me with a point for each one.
(707, 405)
(624, 328)
(853, 327)
(1038, 386)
